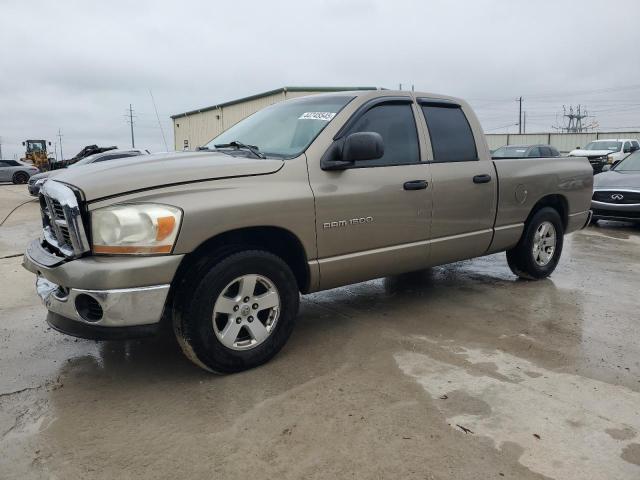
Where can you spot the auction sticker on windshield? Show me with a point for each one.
(324, 116)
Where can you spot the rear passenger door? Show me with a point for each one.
(464, 192)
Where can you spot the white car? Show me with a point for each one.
(606, 151)
(36, 181)
(15, 171)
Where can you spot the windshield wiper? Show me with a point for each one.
(242, 146)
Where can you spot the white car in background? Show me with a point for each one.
(36, 181)
(606, 151)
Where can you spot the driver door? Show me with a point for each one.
(373, 219)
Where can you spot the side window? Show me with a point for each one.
(534, 152)
(451, 136)
(113, 157)
(555, 152)
(546, 152)
(627, 147)
(395, 123)
(4, 164)
(635, 144)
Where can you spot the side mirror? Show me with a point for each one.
(357, 147)
(606, 168)
(362, 146)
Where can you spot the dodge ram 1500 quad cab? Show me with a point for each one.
(305, 195)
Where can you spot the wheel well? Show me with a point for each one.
(278, 241)
(557, 202)
(19, 172)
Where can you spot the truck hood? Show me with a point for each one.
(589, 153)
(613, 179)
(146, 172)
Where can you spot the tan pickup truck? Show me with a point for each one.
(305, 195)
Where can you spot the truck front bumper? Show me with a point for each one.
(97, 297)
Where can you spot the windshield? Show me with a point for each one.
(285, 129)
(604, 145)
(85, 160)
(629, 164)
(508, 152)
(36, 146)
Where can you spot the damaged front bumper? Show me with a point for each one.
(83, 300)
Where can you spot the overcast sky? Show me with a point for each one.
(77, 65)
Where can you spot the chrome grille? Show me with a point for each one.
(62, 225)
(620, 197)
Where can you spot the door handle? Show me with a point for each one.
(415, 185)
(486, 178)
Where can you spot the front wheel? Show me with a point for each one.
(537, 253)
(240, 314)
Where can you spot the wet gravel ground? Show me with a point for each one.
(460, 371)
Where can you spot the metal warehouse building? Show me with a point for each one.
(195, 128)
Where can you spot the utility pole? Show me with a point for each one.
(524, 122)
(0, 148)
(520, 115)
(60, 137)
(133, 142)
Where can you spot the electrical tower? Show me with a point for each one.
(574, 120)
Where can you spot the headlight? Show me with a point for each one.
(137, 229)
(40, 181)
(610, 159)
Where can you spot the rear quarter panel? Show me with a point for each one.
(524, 182)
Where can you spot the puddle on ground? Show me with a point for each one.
(569, 427)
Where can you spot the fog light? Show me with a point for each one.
(88, 308)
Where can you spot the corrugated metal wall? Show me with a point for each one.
(198, 128)
(564, 142)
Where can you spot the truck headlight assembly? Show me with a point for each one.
(135, 229)
(609, 159)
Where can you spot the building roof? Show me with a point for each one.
(272, 92)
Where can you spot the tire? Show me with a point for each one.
(525, 259)
(246, 337)
(20, 178)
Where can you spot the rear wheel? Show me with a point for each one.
(537, 253)
(240, 314)
(20, 178)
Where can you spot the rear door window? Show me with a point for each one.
(451, 136)
(534, 152)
